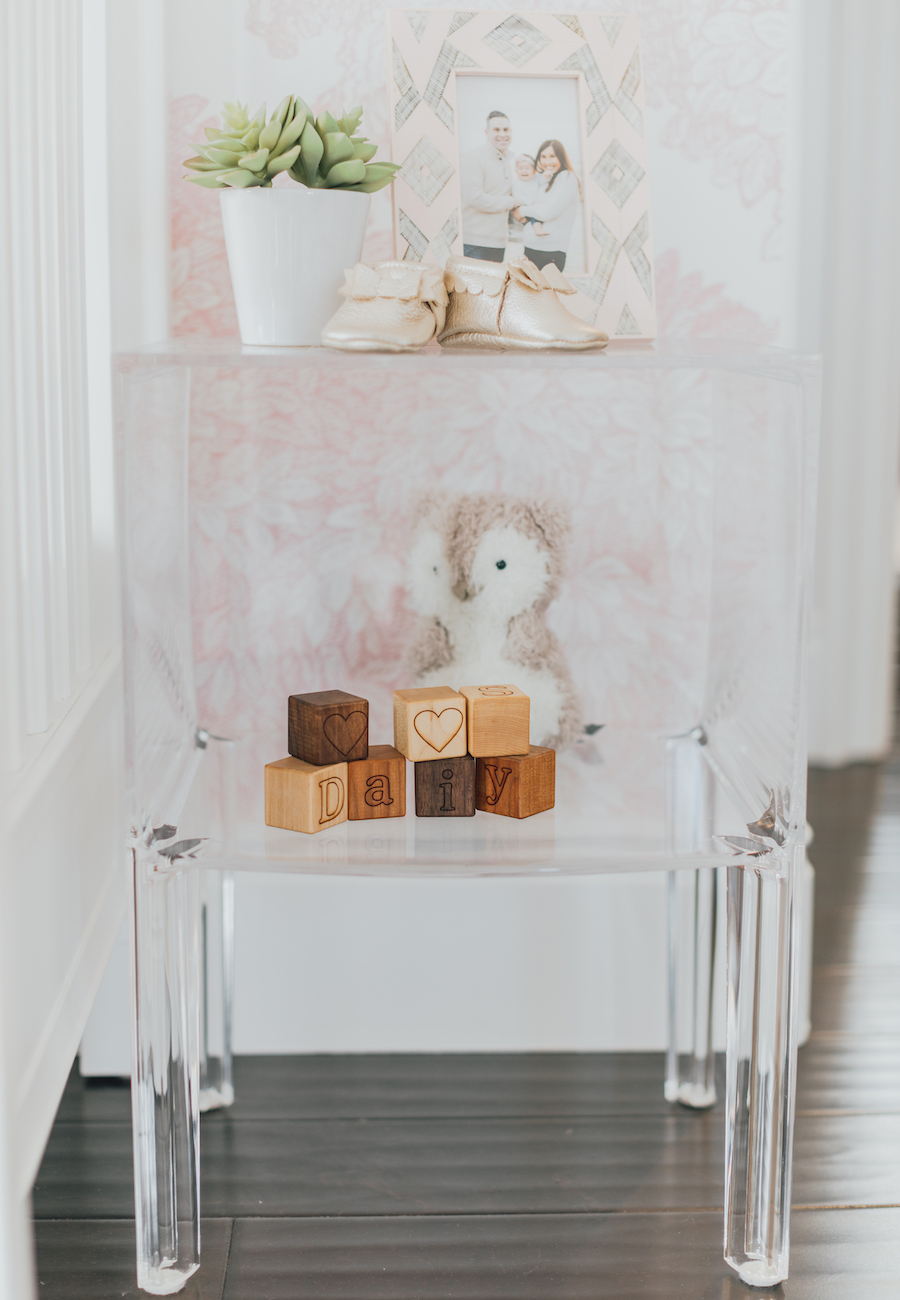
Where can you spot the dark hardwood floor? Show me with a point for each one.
(527, 1176)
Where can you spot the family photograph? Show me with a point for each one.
(520, 185)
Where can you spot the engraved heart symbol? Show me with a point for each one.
(438, 729)
(344, 732)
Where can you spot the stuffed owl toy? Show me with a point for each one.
(482, 571)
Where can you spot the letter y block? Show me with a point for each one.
(516, 785)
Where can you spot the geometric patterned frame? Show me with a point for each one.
(429, 47)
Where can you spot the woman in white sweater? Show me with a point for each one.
(555, 207)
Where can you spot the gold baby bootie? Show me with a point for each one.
(388, 307)
(512, 305)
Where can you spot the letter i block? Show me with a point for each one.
(377, 784)
(328, 727)
(445, 787)
(497, 720)
(305, 797)
(430, 722)
(517, 785)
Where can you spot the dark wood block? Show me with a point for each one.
(378, 784)
(445, 787)
(517, 785)
(328, 727)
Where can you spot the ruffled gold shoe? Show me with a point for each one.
(512, 305)
(388, 307)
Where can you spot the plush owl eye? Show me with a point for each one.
(434, 569)
(501, 564)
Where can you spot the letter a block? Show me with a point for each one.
(430, 722)
(497, 720)
(377, 784)
(446, 788)
(305, 797)
(328, 727)
(517, 785)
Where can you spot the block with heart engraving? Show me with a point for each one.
(377, 784)
(445, 787)
(304, 797)
(516, 785)
(328, 727)
(497, 719)
(429, 722)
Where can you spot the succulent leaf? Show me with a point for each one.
(224, 157)
(251, 139)
(338, 149)
(199, 164)
(326, 125)
(364, 152)
(350, 121)
(285, 161)
(311, 150)
(255, 162)
(290, 134)
(349, 172)
(208, 181)
(377, 176)
(284, 111)
(240, 179)
(268, 136)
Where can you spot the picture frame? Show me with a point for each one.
(584, 78)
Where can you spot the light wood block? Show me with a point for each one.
(516, 785)
(445, 787)
(328, 727)
(377, 784)
(497, 720)
(305, 796)
(429, 723)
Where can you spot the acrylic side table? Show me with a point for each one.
(265, 498)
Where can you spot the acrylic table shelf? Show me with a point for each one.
(265, 500)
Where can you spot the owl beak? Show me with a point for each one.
(460, 590)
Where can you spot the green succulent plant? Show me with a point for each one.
(321, 153)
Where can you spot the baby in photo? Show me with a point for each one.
(527, 184)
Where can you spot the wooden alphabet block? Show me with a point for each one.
(303, 797)
(377, 784)
(517, 785)
(430, 722)
(445, 787)
(497, 719)
(328, 727)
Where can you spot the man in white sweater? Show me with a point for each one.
(486, 186)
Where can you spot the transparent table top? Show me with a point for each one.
(270, 501)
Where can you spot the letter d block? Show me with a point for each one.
(377, 784)
(304, 797)
(446, 787)
(516, 785)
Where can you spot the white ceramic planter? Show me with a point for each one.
(287, 251)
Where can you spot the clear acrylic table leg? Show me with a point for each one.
(693, 897)
(761, 1067)
(690, 1060)
(165, 1075)
(217, 974)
